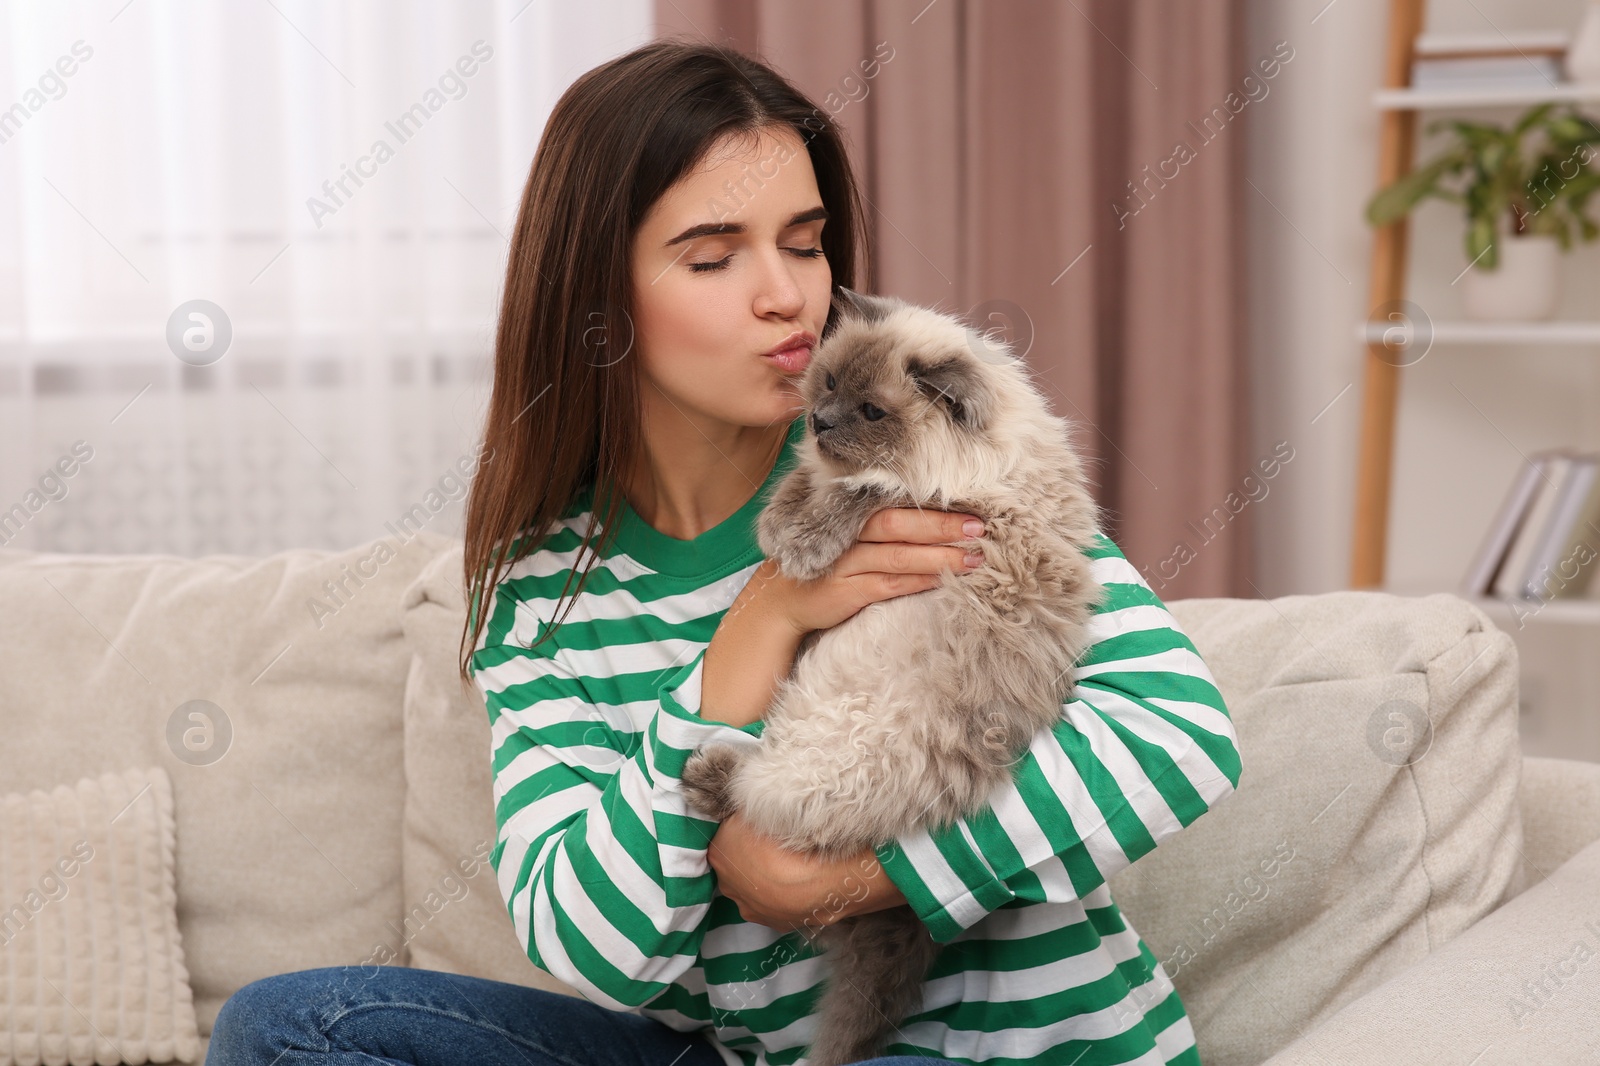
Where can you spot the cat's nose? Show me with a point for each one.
(818, 424)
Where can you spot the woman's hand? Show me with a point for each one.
(789, 890)
(901, 550)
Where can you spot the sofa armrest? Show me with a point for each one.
(1560, 801)
(1520, 986)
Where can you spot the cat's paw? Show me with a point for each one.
(707, 780)
(804, 530)
(802, 551)
(807, 560)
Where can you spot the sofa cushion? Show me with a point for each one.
(1560, 802)
(1518, 987)
(270, 690)
(1376, 820)
(93, 960)
(456, 918)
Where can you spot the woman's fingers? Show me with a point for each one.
(924, 526)
(900, 551)
(905, 540)
(898, 558)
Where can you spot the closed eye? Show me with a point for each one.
(801, 253)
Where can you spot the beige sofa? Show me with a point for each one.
(1393, 882)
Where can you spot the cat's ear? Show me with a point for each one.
(960, 385)
(862, 306)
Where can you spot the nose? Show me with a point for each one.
(818, 424)
(780, 293)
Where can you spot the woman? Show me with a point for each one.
(688, 217)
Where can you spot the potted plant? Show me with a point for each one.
(1524, 191)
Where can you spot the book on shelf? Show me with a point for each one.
(1511, 583)
(1545, 538)
(1524, 60)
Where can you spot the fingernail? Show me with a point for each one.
(972, 527)
(973, 559)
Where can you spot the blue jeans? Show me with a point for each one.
(360, 1015)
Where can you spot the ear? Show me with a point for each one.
(860, 305)
(960, 385)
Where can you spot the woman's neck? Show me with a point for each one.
(690, 474)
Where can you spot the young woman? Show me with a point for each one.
(687, 221)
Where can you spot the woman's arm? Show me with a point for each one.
(752, 650)
(1144, 746)
(601, 863)
(787, 889)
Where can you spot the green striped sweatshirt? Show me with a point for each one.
(603, 865)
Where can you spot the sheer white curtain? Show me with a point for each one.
(331, 183)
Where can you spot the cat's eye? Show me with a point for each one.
(872, 411)
(831, 383)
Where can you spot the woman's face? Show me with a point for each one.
(727, 266)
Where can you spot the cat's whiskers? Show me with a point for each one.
(887, 465)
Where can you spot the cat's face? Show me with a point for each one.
(893, 380)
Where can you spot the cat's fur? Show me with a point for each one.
(912, 711)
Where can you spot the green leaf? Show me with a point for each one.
(1572, 130)
(1394, 201)
(1534, 116)
(1498, 158)
(1480, 242)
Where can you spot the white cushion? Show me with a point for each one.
(91, 961)
(1376, 817)
(1560, 801)
(291, 838)
(1518, 987)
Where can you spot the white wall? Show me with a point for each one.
(1467, 415)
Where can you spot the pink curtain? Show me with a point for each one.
(1074, 166)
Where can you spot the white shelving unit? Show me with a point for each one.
(1399, 106)
(1558, 651)
(1439, 99)
(1464, 332)
(1554, 612)
(1577, 611)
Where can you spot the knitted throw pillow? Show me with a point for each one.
(91, 965)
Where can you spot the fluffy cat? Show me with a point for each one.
(912, 711)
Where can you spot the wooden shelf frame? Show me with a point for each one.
(1381, 374)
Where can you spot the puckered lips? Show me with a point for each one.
(793, 354)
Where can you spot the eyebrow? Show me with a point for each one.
(712, 229)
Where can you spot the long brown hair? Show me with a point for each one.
(564, 409)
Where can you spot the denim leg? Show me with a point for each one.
(350, 1015)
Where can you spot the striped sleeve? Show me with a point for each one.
(601, 863)
(1144, 746)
